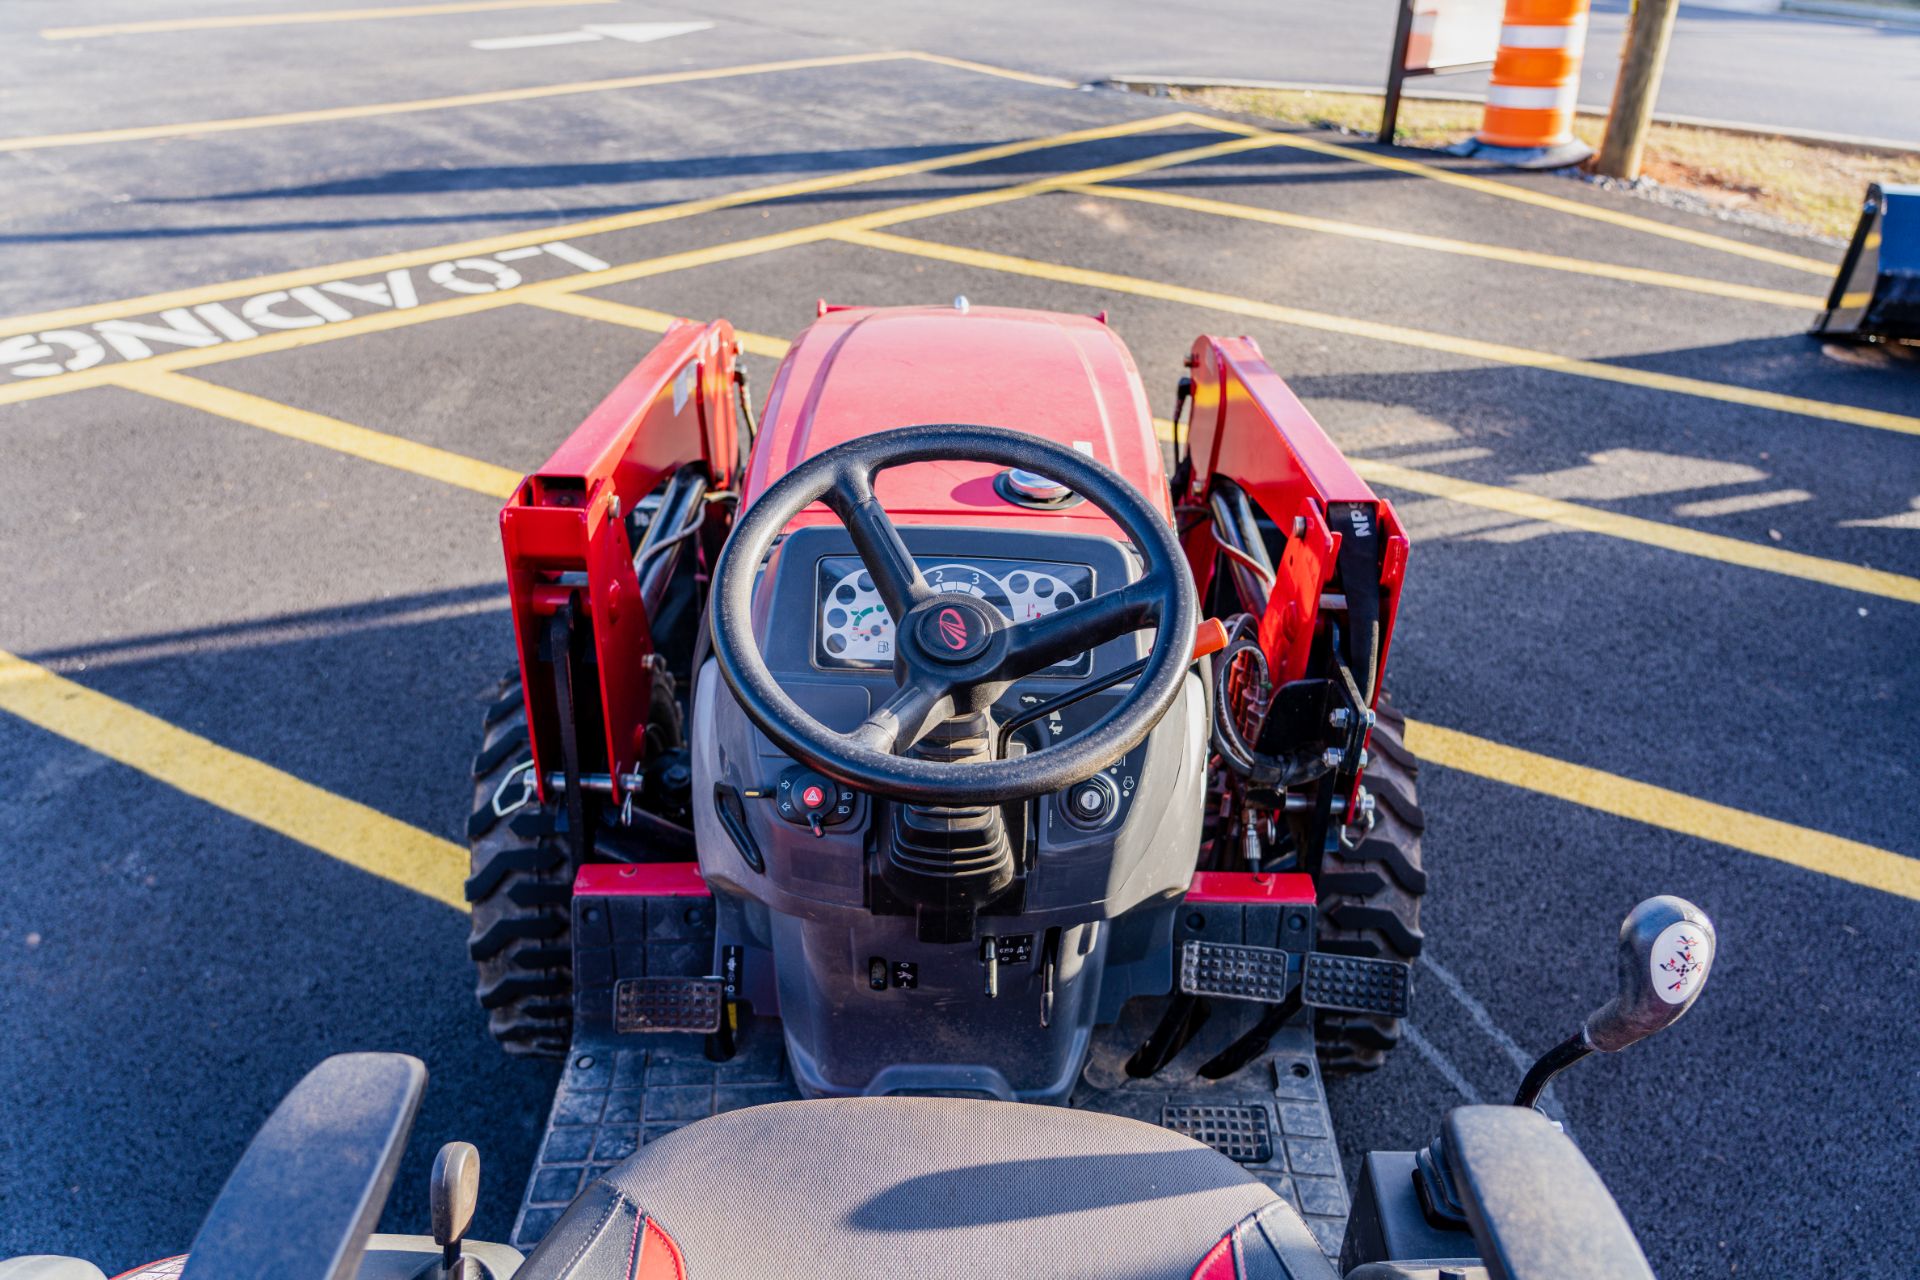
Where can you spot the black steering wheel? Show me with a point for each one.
(954, 656)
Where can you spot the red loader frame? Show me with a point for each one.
(568, 549)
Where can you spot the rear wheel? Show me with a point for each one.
(521, 881)
(1369, 896)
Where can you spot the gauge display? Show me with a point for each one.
(854, 629)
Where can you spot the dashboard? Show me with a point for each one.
(852, 628)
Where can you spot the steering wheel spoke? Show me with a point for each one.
(1039, 643)
(879, 544)
(900, 722)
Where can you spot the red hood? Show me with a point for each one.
(1066, 378)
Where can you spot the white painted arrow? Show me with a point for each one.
(632, 32)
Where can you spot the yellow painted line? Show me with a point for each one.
(363, 111)
(381, 321)
(1471, 348)
(328, 433)
(588, 307)
(1464, 248)
(1525, 195)
(152, 303)
(987, 69)
(340, 828)
(1816, 851)
(287, 19)
(1653, 533)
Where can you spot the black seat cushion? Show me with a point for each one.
(904, 1187)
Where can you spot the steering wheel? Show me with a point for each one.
(953, 655)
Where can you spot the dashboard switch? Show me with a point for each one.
(808, 799)
(1093, 803)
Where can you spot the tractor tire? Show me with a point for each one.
(521, 883)
(1369, 897)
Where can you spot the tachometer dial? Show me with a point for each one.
(970, 580)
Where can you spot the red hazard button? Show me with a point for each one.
(813, 797)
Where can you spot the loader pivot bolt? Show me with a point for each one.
(1339, 717)
(1333, 758)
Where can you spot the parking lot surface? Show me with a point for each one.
(265, 384)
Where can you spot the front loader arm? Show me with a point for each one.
(566, 533)
(1334, 552)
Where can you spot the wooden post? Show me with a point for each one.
(1644, 57)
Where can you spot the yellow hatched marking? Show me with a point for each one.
(1472, 348)
(128, 308)
(1816, 851)
(329, 433)
(247, 788)
(1526, 195)
(1463, 248)
(589, 307)
(1653, 533)
(380, 321)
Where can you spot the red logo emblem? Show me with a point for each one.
(953, 628)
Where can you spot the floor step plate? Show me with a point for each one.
(616, 1096)
(1277, 1097)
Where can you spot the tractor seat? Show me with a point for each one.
(922, 1188)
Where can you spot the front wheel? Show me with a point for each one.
(1369, 896)
(521, 879)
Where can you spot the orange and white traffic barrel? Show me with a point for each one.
(1535, 81)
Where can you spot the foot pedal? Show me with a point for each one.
(668, 1004)
(1234, 972)
(1238, 1133)
(1357, 984)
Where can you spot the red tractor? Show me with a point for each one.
(946, 756)
(857, 746)
(948, 743)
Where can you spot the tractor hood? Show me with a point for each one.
(858, 370)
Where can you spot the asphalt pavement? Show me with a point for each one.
(1660, 534)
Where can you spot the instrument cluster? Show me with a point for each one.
(854, 629)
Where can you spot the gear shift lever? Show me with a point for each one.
(1666, 949)
(454, 1192)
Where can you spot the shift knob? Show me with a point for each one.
(453, 1193)
(1666, 950)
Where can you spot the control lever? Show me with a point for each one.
(452, 1195)
(1666, 949)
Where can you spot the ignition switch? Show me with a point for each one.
(1092, 804)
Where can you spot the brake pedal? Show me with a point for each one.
(668, 1004)
(1357, 984)
(1230, 971)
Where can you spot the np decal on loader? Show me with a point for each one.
(942, 817)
